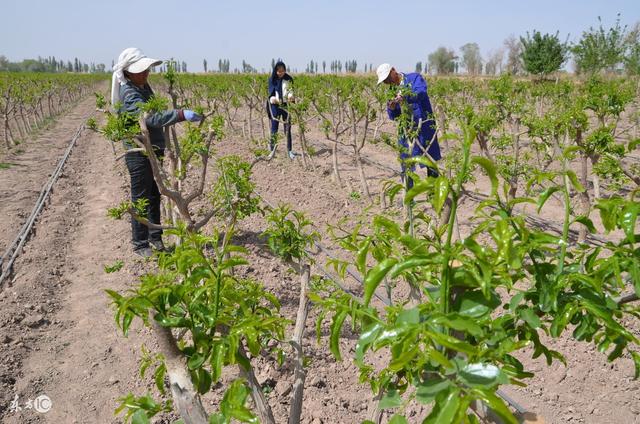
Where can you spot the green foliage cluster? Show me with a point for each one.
(543, 54)
(287, 233)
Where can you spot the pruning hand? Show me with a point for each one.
(191, 116)
(394, 103)
(274, 100)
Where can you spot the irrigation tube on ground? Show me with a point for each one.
(15, 247)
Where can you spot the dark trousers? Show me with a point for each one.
(283, 115)
(143, 186)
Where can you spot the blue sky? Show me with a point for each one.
(401, 32)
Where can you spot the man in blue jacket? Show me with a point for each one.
(427, 140)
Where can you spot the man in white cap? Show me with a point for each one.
(129, 88)
(418, 101)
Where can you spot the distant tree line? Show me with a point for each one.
(613, 50)
(50, 64)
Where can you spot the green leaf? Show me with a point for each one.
(445, 409)
(496, 404)
(217, 360)
(410, 263)
(218, 418)
(196, 361)
(636, 362)
(490, 168)
(391, 399)
(473, 304)
(417, 189)
(158, 375)
(574, 181)
(460, 323)
(634, 273)
(400, 362)
(482, 376)
(204, 381)
(569, 151)
(375, 276)
(545, 196)
(529, 316)
(515, 301)
(586, 222)
(361, 259)
(408, 317)
(140, 417)
(421, 160)
(398, 419)
(366, 338)
(628, 220)
(427, 391)
(336, 329)
(440, 193)
(452, 343)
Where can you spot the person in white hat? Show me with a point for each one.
(130, 88)
(418, 100)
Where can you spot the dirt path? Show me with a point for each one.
(58, 334)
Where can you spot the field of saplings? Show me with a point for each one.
(323, 289)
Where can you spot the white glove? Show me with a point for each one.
(273, 100)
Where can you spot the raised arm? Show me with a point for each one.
(131, 100)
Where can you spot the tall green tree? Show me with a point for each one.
(601, 49)
(543, 54)
(632, 58)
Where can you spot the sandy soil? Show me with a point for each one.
(57, 333)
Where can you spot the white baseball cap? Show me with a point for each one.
(383, 72)
(135, 61)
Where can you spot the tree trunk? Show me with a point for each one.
(484, 147)
(585, 204)
(336, 171)
(295, 412)
(596, 178)
(186, 400)
(21, 130)
(262, 406)
(7, 135)
(363, 178)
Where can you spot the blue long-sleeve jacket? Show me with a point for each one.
(132, 96)
(422, 111)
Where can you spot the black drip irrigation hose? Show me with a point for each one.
(14, 249)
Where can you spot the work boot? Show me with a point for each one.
(292, 155)
(272, 154)
(145, 252)
(157, 245)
